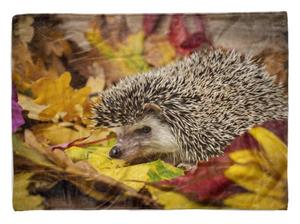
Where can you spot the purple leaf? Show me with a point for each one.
(17, 117)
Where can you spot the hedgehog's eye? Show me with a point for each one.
(145, 129)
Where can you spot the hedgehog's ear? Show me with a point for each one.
(152, 107)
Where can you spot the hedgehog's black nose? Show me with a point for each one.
(115, 152)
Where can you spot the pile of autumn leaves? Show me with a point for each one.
(60, 62)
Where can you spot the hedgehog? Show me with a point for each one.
(190, 110)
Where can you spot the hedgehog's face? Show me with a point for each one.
(147, 139)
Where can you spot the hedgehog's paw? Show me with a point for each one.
(185, 166)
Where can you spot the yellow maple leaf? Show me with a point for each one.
(125, 57)
(263, 172)
(60, 98)
(55, 134)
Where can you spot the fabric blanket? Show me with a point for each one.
(60, 64)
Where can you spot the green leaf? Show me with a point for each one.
(163, 171)
(127, 55)
(153, 176)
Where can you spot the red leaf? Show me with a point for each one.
(207, 182)
(279, 128)
(178, 33)
(193, 41)
(185, 39)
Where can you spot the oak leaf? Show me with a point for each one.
(28, 104)
(60, 98)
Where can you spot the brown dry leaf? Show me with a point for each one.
(29, 105)
(22, 65)
(58, 158)
(60, 161)
(25, 70)
(276, 64)
(23, 28)
(113, 28)
(86, 63)
(97, 81)
(158, 50)
(83, 176)
(49, 39)
(134, 22)
(61, 99)
(31, 150)
(74, 28)
(59, 46)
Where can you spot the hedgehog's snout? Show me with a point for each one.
(115, 152)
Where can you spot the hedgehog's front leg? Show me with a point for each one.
(185, 166)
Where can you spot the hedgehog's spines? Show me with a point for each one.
(207, 99)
